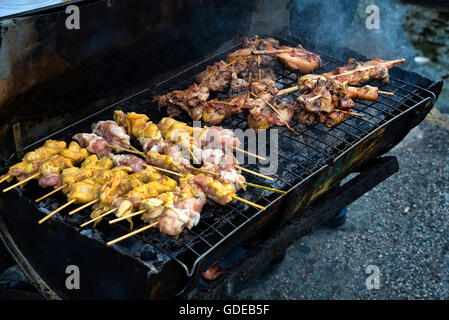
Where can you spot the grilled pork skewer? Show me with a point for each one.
(296, 59)
(358, 72)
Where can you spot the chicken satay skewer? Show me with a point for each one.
(18, 184)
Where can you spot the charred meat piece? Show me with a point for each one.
(192, 100)
(262, 118)
(358, 72)
(299, 59)
(217, 111)
(363, 93)
(218, 76)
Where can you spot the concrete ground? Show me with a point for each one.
(401, 226)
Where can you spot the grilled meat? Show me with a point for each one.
(358, 72)
(192, 100)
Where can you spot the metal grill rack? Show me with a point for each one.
(301, 154)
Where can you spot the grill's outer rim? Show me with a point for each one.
(256, 214)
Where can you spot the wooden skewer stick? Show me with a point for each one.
(263, 187)
(84, 206)
(50, 193)
(205, 171)
(386, 92)
(316, 97)
(132, 233)
(350, 113)
(288, 90)
(249, 202)
(271, 51)
(5, 178)
(22, 182)
(223, 102)
(250, 153)
(125, 149)
(254, 173)
(127, 216)
(56, 211)
(165, 170)
(133, 148)
(98, 218)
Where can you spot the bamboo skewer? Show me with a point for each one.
(275, 51)
(125, 149)
(386, 92)
(265, 188)
(22, 182)
(288, 90)
(249, 202)
(250, 153)
(56, 211)
(50, 193)
(5, 178)
(132, 233)
(295, 88)
(165, 170)
(254, 173)
(127, 216)
(402, 60)
(84, 206)
(98, 218)
(128, 235)
(316, 97)
(205, 171)
(350, 113)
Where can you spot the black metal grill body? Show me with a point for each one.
(152, 265)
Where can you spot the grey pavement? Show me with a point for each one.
(401, 226)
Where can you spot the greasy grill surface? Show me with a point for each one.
(300, 154)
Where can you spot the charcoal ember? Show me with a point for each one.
(148, 253)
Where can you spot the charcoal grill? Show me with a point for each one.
(312, 161)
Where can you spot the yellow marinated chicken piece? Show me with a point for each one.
(75, 153)
(146, 175)
(151, 130)
(155, 206)
(153, 188)
(176, 131)
(55, 164)
(90, 167)
(50, 148)
(163, 161)
(138, 125)
(83, 191)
